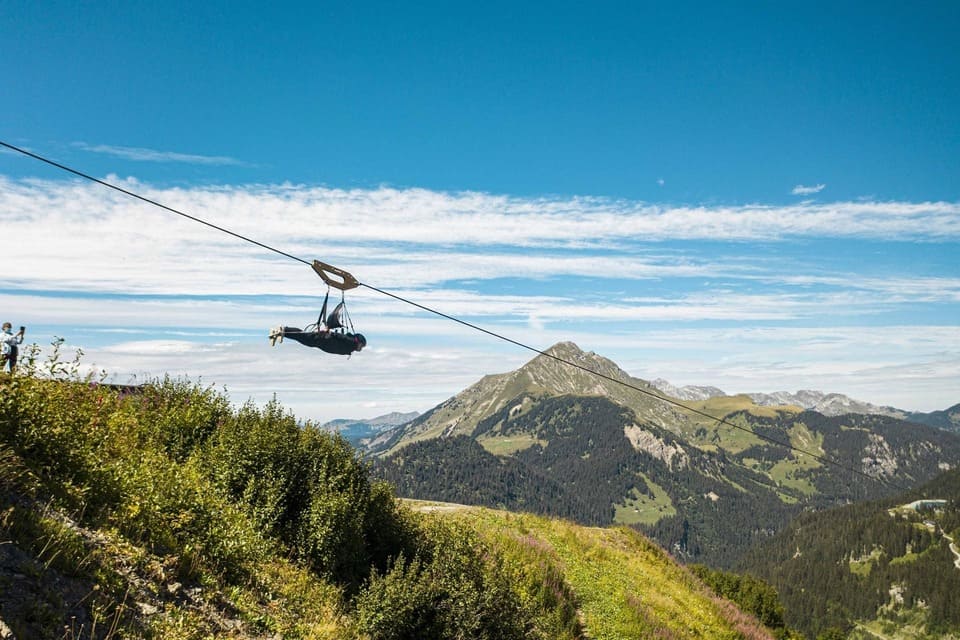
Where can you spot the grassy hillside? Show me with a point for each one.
(165, 512)
(623, 586)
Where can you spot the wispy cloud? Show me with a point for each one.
(139, 154)
(801, 190)
(415, 239)
(383, 315)
(712, 294)
(904, 366)
(303, 217)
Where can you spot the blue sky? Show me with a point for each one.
(762, 197)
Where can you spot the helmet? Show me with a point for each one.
(361, 341)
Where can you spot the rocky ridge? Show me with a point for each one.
(547, 375)
(829, 404)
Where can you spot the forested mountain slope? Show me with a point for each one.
(948, 419)
(871, 568)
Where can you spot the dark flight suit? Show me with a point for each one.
(330, 341)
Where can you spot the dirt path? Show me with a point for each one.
(433, 506)
(953, 547)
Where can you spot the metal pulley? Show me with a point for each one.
(334, 277)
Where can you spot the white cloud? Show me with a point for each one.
(210, 318)
(151, 155)
(644, 284)
(394, 238)
(911, 367)
(893, 290)
(801, 190)
(300, 217)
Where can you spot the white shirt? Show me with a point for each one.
(10, 340)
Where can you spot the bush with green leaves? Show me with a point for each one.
(751, 594)
(455, 587)
(173, 464)
(307, 489)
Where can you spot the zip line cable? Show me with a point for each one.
(821, 458)
(148, 200)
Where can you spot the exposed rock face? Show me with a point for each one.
(643, 440)
(879, 459)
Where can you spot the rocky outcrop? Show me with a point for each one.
(643, 440)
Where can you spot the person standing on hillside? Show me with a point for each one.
(10, 344)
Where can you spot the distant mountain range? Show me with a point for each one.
(559, 440)
(829, 404)
(689, 392)
(356, 431)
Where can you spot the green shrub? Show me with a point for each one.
(751, 594)
(307, 489)
(178, 416)
(173, 508)
(123, 458)
(173, 465)
(402, 604)
(455, 588)
(832, 633)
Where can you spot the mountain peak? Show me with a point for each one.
(551, 370)
(547, 375)
(565, 348)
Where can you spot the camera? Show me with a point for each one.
(22, 328)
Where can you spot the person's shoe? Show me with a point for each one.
(276, 335)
